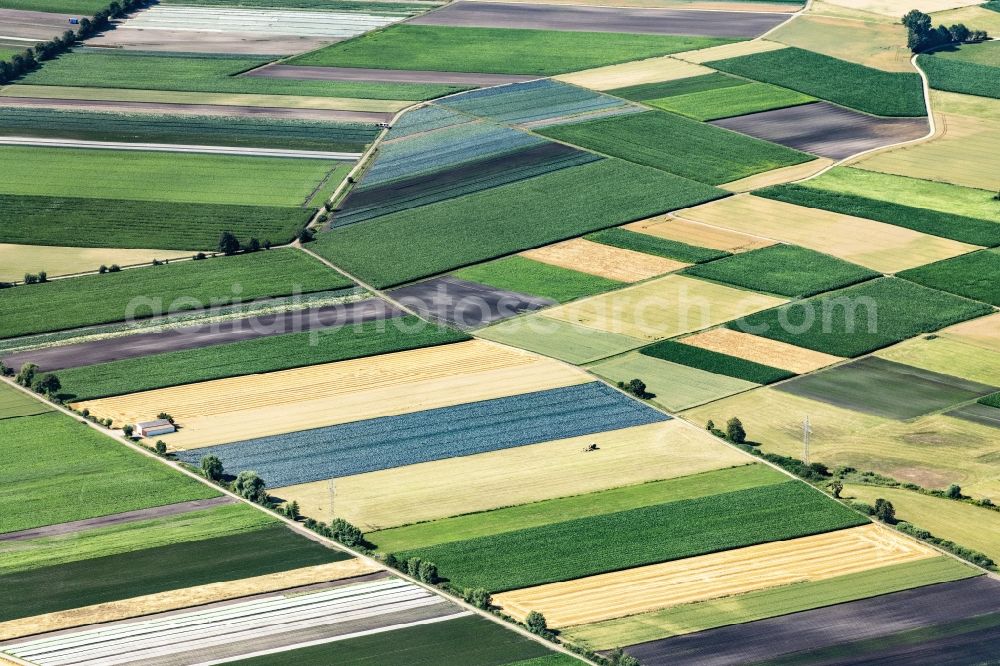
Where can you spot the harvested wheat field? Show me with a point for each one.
(874, 44)
(614, 263)
(185, 598)
(16, 260)
(876, 245)
(761, 350)
(977, 15)
(932, 451)
(895, 9)
(949, 356)
(778, 176)
(658, 586)
(966, 151)
(239, 408)
(651, 70)
(983, 332)
(734, 50)
(663, 308)
(699, 235)
(560, 468)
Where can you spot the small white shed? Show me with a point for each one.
(154, 428)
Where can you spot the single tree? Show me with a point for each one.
(27, 374)
(735, 432)
(228, 244)
(249, 485)
(837, 487)
(211, 467)
(885, 511)
(479, 598)
(292, 510)
(127, 430)
(427, 572)
(954, 491)
(161, 447)
(48, 384)
(413, 566)
(536, 623)
(253, 245)
(710, 425)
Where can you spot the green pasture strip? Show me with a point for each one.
(559, 339)
(983, 53)
(156, 290)
(678, 145)
(14, 403)
(326, 189)
(771, 602)
(439, 237)
(78, 8)
(57, 470)
(933, 222)
(535, 514)
(660, 247)
(786, 270)
(856, 86)
(862, 318)
(691, 84)
(961, 76)
(192, 72)
(256, 132)
(97, 580)
(160, 177)
(85, 222)
(278, 352)
(648, 535)
(465, 640)
(496, 50)
(975, 275)
(731, 101)
(527, 276)
(711, 361)
(127, 537)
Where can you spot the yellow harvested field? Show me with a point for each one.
(658, 586)
(663, 308)
(229, 410)
(221, 99)
(895, 8)
(983, 332)
(733, 50)
(980, 17)
(652, 70)
(185, 598)
(932, 451)
(965, 105)
(965, 151)
(761, 350)
(16, 260)
(580, 254)
(949, 356)
(876, 245)
(778, 176)
(871, 43)
(560, 468)
(699, 235)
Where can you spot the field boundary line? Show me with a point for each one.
(295, 526)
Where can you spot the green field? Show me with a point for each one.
(934, 222)
(661, 247)
(267, 354)
(496, 50)
(57, 470)
(533, 277)
(466, 640)
(439, 237)
(160, 177)
(845, 83)
(8, 52)
(731, 101)
(710, 361)
(255, 553)
(592, 545)
(862, 318)
(691, 84)
(14, 403)
(771, 602)
(975, 275)
(169, 289)
(473, 525)
(192, 72)
(992, 400)
(969, 68)
(127, 537)
(193, 130)
(87, 7)
(786, 270)
(559, 339)
(678, 145)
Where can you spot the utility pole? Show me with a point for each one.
(806, 431)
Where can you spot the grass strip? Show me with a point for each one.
(937, 223)
(527, 276)
(975, 275)
(14, 403)
(711, 361)
(691, 84)
(728, 102)
(168, 289)
(648, 535)
(57, 470)
(279, 352)
(660, 247)
(535, 514)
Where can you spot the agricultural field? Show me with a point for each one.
(496, 50)
(633, 238)
(974, 275)
(949, 354)
(14, 403)
(679, 86)
(694, 234)
(756, 349)
(678, 145)
(969, 68)
(17, 260)
(731, 101)
(159, 290)
(606, 261)
(560, 339)
(719, 363)
(845, 83)
(618, 78)
(526, 275)
(872, 43)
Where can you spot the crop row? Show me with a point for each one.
(711, 361)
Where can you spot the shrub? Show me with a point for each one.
(954, 491)
(127, 430)
(346, 533)
(735, 432)
(427, 572)
(478, 597)
(161, 448)
(249, 485)
(114, 268)
(48, 384)
(536, 624)
(228, 244)
(27, 374)
(413, 566)
(211, 468)
(885, 511)
(103, 269)
(292, 510)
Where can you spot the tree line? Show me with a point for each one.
(921, 35)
